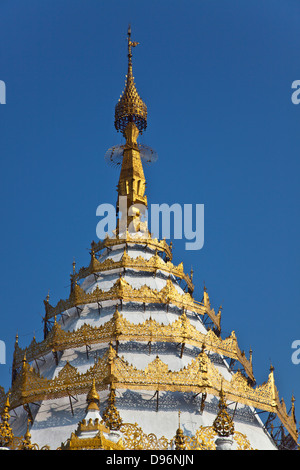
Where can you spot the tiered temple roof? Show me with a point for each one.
(134, 344)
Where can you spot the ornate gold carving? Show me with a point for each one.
(6, 434)
(205, 436)
(7, 437)
(97, 442)
(135, 439)
(26, 441)
(179, 440)
(120, 329)
(132, 184)
(223, 424)
(93, 398)
(3, 398)
(91, 426)
(199, 376)
(204, 439)
(129, 239)
(154, 264)
(111, 415)
(242, 442)
(123, 290)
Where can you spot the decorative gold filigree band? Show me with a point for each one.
(199, 376)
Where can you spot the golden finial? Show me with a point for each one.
(24, 358)
(6, 434)
(179, 438)
(93, 398)
(292, 413)
(26, 442)
(223, 424)
(5, 414)
(111, 415)
(116, 317)
(94, 262)
(250, 355)
(130, 107)
(111, 353)
(293, 399)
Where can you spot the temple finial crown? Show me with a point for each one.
(93, 398)
(130, 107)
(130, 44)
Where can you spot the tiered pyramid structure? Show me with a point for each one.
(130, 360)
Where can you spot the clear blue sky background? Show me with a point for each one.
(216, 77)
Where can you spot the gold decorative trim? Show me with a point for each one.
(223, 423)
(120, 329)
(6, 434)
(205, 437)
(130, 106)
(111, 415)
(154, 264)
(134, 438)
(153, 243)
(199, 376)
(122, 290)
(96, 442)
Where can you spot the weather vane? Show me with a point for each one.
(130, 43)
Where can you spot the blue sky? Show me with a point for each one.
(216, 77)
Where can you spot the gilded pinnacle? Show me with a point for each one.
(111, 415)
(223, 424)
(130, 107)
(93, 398)
(179, 441)
(6, 434)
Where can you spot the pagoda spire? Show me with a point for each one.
(93, 399)
(26, 442)
(223, 423)
(131, 120)
(179, 440)
(6, 434)
(130, 107)
(111, 415)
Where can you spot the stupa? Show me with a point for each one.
(131, 360)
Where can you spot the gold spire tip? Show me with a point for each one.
(130, 107)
